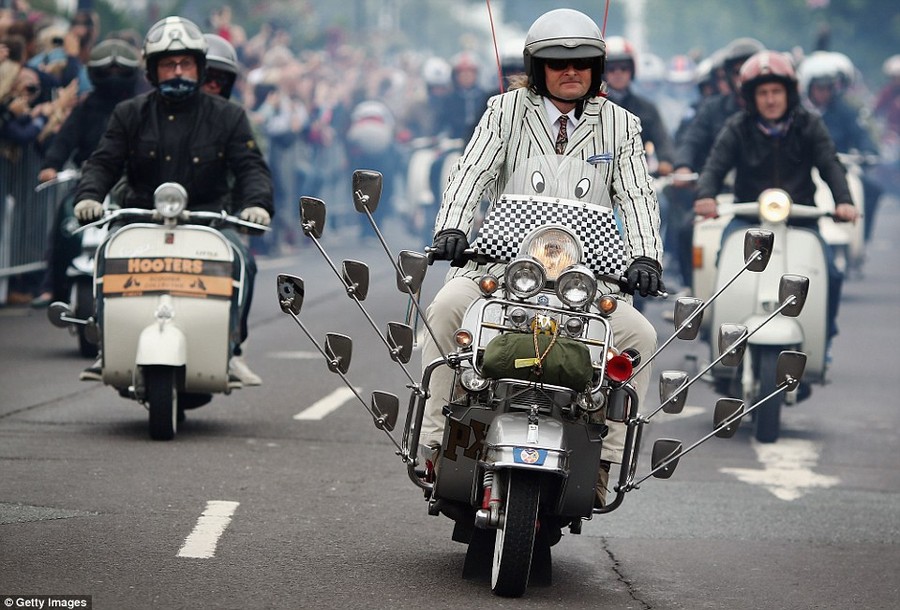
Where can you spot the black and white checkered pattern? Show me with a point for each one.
(509, 220)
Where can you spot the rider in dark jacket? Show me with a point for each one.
(178, 133)
(775, 143)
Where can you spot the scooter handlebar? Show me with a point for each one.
(471, 254)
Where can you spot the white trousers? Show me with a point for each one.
(445, 314)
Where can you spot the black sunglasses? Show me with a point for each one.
(580, 63)
(32, 89)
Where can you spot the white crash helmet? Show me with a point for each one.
(891, 66)
(563, 33)
(174, 36)
(436, 72)
(820, 66)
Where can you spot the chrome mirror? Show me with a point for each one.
(796, 286)
(356, 278)
(312, 216)
(338, 349)
(727, 410)
(665, 449)
(673, 390)
(789, 369)
(385, 407)
(366, 190)
(758, 240)
(684, 309)
(729, 334)
(413, 266)
(290, 293)
(400, 338)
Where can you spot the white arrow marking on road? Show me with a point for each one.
(787, 469)
(201, 543)
(326, 405)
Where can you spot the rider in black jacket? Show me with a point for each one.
(775, 143)
(178, 133)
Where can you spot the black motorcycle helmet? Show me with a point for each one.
(563, 34)
(221, 63)
(113, 68)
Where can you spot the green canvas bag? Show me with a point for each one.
(512, 355)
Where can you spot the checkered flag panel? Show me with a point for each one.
(508, 221)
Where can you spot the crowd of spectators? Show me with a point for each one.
(319, 112)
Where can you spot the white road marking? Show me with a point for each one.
(324, 406)
(294, 355)
(688, 411)
(201, 543)
(787, 469)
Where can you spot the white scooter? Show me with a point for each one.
(752, 298)
(166, 291)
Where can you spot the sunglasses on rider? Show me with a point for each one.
(32, 89)
(223, 79)
(580, 63)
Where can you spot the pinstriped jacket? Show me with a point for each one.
(515, 127)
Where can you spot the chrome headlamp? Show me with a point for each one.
(554, 246)
(774, 205)
(576, 286)
(525, 277)
(170, 199)
(472, 381)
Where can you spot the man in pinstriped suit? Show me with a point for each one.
(564, 59)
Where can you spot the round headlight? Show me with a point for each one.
(554, 246)
(471, 381)
(576, 286)
(774, 205)
(525, 277)
(170, 199)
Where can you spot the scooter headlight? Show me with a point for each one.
(774, 205)
(576, 286)
(555, 247)
(525, 277)
(170, 199)
(471, 381)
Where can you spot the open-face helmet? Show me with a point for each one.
(768, 67)
(174, 36)
(221, 63)
(563, 33)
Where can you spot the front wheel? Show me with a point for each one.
(515, 535)
(768, 419)
(162, 399)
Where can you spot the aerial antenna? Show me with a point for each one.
(605, 16)
(496, 49)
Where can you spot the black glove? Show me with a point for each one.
(450, 245)
(644, 277)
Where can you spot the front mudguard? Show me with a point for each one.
(778, 331)
(511, 442)
(161, 344)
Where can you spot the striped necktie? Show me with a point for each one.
(562, 138)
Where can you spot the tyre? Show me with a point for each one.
(84, 308)
(162, 399)
(514, 545)
(768, 418)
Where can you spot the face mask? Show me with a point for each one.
(177, 88)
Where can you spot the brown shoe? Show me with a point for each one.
(602, 484)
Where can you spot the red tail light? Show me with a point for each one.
(619, 368)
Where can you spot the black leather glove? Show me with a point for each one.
(644, 276)
(450, 245)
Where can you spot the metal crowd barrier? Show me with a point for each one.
(26, 217)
